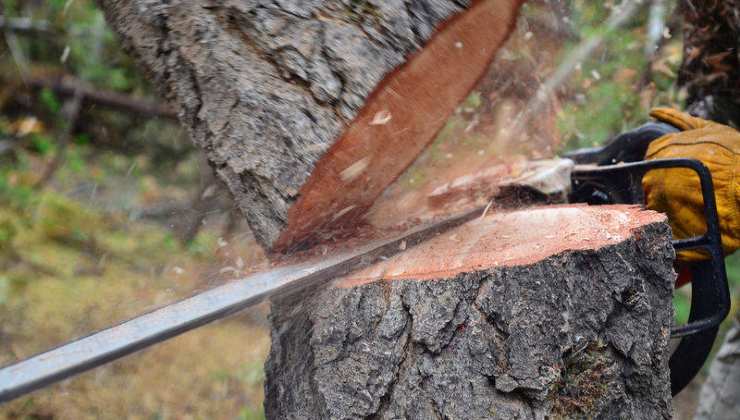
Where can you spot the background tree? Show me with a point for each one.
(710, 70)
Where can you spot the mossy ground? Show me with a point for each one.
(70, 269)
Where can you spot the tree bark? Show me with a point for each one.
(494, 319)
(309, 109)
(710, 71)
(719, 395)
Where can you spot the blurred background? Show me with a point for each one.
(107, 209)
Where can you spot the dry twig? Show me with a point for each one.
(73, 107)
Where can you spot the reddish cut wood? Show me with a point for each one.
(519, 237)
(399, 120)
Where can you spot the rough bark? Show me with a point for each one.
(710, 70)
(294, 100)
(574, 325)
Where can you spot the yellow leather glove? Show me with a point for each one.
(677, 192)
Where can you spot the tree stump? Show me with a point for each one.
(552, 312)
(308, 110)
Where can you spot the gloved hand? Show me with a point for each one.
(677, 191)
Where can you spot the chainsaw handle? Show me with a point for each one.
(688, 358)
(629, 146)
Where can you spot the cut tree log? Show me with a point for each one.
(309, 109)
(551, 312)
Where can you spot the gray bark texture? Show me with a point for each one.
(267, 86)
(720, 394)
(582, 334)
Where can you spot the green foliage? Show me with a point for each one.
(681, 305)
(4, 289)
(202, 245)
(608, 95)
(50, 101)
(41, 144)
(82, 139)
(81, 36)
(75, 161)
(8, 232)
(249, 413)
(58, 5)
(733, 269)
(612, 107)
(16, 197)
(169, 242)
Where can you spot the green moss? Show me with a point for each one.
(62, 219)
(249, 413)
(15, 196)
(8, 232)
(585, 381)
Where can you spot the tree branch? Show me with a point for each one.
(68, 86)
(24, 26)
(73, 107)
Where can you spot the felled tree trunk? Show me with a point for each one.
(710, 70)
(309, 109)
(556, 312)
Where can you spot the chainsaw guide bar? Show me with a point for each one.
(169, 321)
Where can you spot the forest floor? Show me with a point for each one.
(69, 269)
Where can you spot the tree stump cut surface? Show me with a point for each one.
(553, 312)
(308, 110)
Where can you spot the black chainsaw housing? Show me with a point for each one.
(629, 146)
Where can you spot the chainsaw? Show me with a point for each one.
(611, 174)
